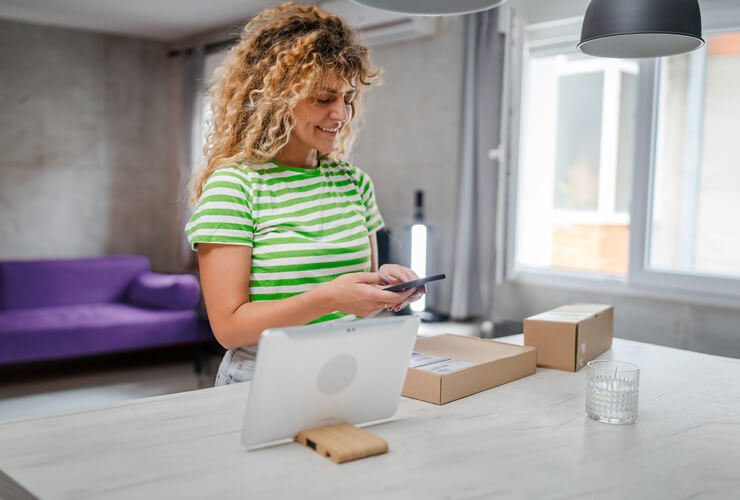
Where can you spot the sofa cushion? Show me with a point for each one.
(40, 283)
(56, 332)
(165, 291)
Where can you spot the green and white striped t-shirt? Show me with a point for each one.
(305, 226)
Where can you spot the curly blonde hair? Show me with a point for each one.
(281, 58)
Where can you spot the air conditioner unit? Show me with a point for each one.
(378, 27)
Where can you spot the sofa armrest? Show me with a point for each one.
(165, 291)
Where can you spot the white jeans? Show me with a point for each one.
(237, 365)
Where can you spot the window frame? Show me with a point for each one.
(640, 280)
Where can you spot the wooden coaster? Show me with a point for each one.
(342, 442)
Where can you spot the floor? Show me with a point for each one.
(57, 387)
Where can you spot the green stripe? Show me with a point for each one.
(317, 221)
(309, 253)
(329, 317)
(219, 225)
(269, 181)
(375, 226)
(220, 239)
(224, 184)
(223, 197)
(307, 211)
(305, 235)
(272, 296)
(301, 189)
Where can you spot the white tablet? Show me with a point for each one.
(316, 375)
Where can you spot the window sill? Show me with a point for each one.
(618, 286)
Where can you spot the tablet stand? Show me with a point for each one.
(342, 442)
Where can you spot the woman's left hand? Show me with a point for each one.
(394, 274)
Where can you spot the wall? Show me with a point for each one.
(409, 141)
(672, 323)
(84, 146)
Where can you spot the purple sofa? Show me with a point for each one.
(53, 309)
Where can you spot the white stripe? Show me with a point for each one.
(224, 191)
(310, 273)
(314, 193)
(346, 211)
(231, 219)
(223, 205)
(257, 290)
(376, 218)
(290, 184)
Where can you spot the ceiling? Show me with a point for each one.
(164, 20)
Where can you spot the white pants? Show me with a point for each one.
(237, 365)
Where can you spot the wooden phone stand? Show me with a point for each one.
(342, 442)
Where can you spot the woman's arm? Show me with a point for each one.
(373, 252)
(225, 272)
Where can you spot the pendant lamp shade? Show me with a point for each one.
(640, 28)
(431, 7)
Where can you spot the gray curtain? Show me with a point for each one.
(188, 128)
(474, 261)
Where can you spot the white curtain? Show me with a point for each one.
(474, 262)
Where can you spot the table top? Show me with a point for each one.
(526, 439)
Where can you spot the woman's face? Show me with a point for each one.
(320, 118)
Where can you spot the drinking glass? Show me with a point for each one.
(612, 391)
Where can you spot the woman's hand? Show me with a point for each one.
(393, 274)
(361, 294)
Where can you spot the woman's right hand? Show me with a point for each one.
(361, 294)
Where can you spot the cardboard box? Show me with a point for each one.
(568, 337)
(474, 365)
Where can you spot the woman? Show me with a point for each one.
(285, 230)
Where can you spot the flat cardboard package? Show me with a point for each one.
(568, 337)
(464, 366)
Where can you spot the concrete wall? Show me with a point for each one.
(84, 146)
(409, 140)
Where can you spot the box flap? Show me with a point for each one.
(584, 308)
(463, 348)
(571, 313)
(560, 316)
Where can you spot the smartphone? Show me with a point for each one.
(415, 283)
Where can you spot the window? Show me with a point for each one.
(576, 153)
(695, 224)
(626, 170)
(203, 118)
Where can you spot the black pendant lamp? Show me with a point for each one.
(640, 28)
(431, 7)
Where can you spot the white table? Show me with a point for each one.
(525, 439)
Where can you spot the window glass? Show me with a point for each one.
(578, 143)
(695, 227)
(576, 155)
